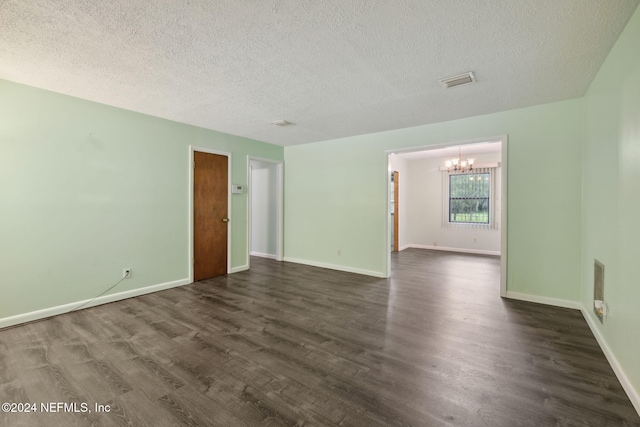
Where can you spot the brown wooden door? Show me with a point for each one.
(210, 208)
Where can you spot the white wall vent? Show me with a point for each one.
(458, 80)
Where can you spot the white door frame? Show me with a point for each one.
(279, 206)
(192, 150)
(504, 139)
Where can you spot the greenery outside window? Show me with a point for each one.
(469, 198)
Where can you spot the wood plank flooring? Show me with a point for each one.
(292, 345)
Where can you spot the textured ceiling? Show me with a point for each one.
(335, 68)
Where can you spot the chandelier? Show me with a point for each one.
(457, 164)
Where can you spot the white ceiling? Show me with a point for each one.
(335, 68)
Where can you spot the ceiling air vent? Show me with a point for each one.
(281, 123)
(461, 79)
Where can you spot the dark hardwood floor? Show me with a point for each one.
(287, 344)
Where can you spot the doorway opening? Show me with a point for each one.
(430, 210)
(265, 200)
(209, 213)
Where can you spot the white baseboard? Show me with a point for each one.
(445, 248)
(565, 303)
(61, 309)
(263, 255)
(632, 393)
(239, 268)
(336, 267)
(402, 248)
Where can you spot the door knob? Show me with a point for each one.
(225, 219)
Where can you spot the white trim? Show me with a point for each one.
(336, 267)
(463, 250)
(66, 308)
(386, 268)
(263, 255)
(280, 230)
(565, 303)
(504, 139)
(495, 138)
(249, 210)
(192, 149)
(504, 147)
(466, 225)
(239, 268)
(279, 256)
(402, 248)
(632, 393)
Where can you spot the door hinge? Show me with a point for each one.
(194, 164)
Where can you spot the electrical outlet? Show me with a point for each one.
(126, 273)
(339, 252)
(475, 240)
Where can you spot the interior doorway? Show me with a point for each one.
(430, 219)
(209, 213)
(265, 198)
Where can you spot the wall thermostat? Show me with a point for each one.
(237, 189)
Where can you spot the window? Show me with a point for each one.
(469, 198)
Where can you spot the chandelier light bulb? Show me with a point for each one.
(457, 164)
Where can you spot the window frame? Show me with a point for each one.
(488, 199)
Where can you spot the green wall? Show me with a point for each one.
(89, 189)
(573, 181)
(611, 186)
(335, 195)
